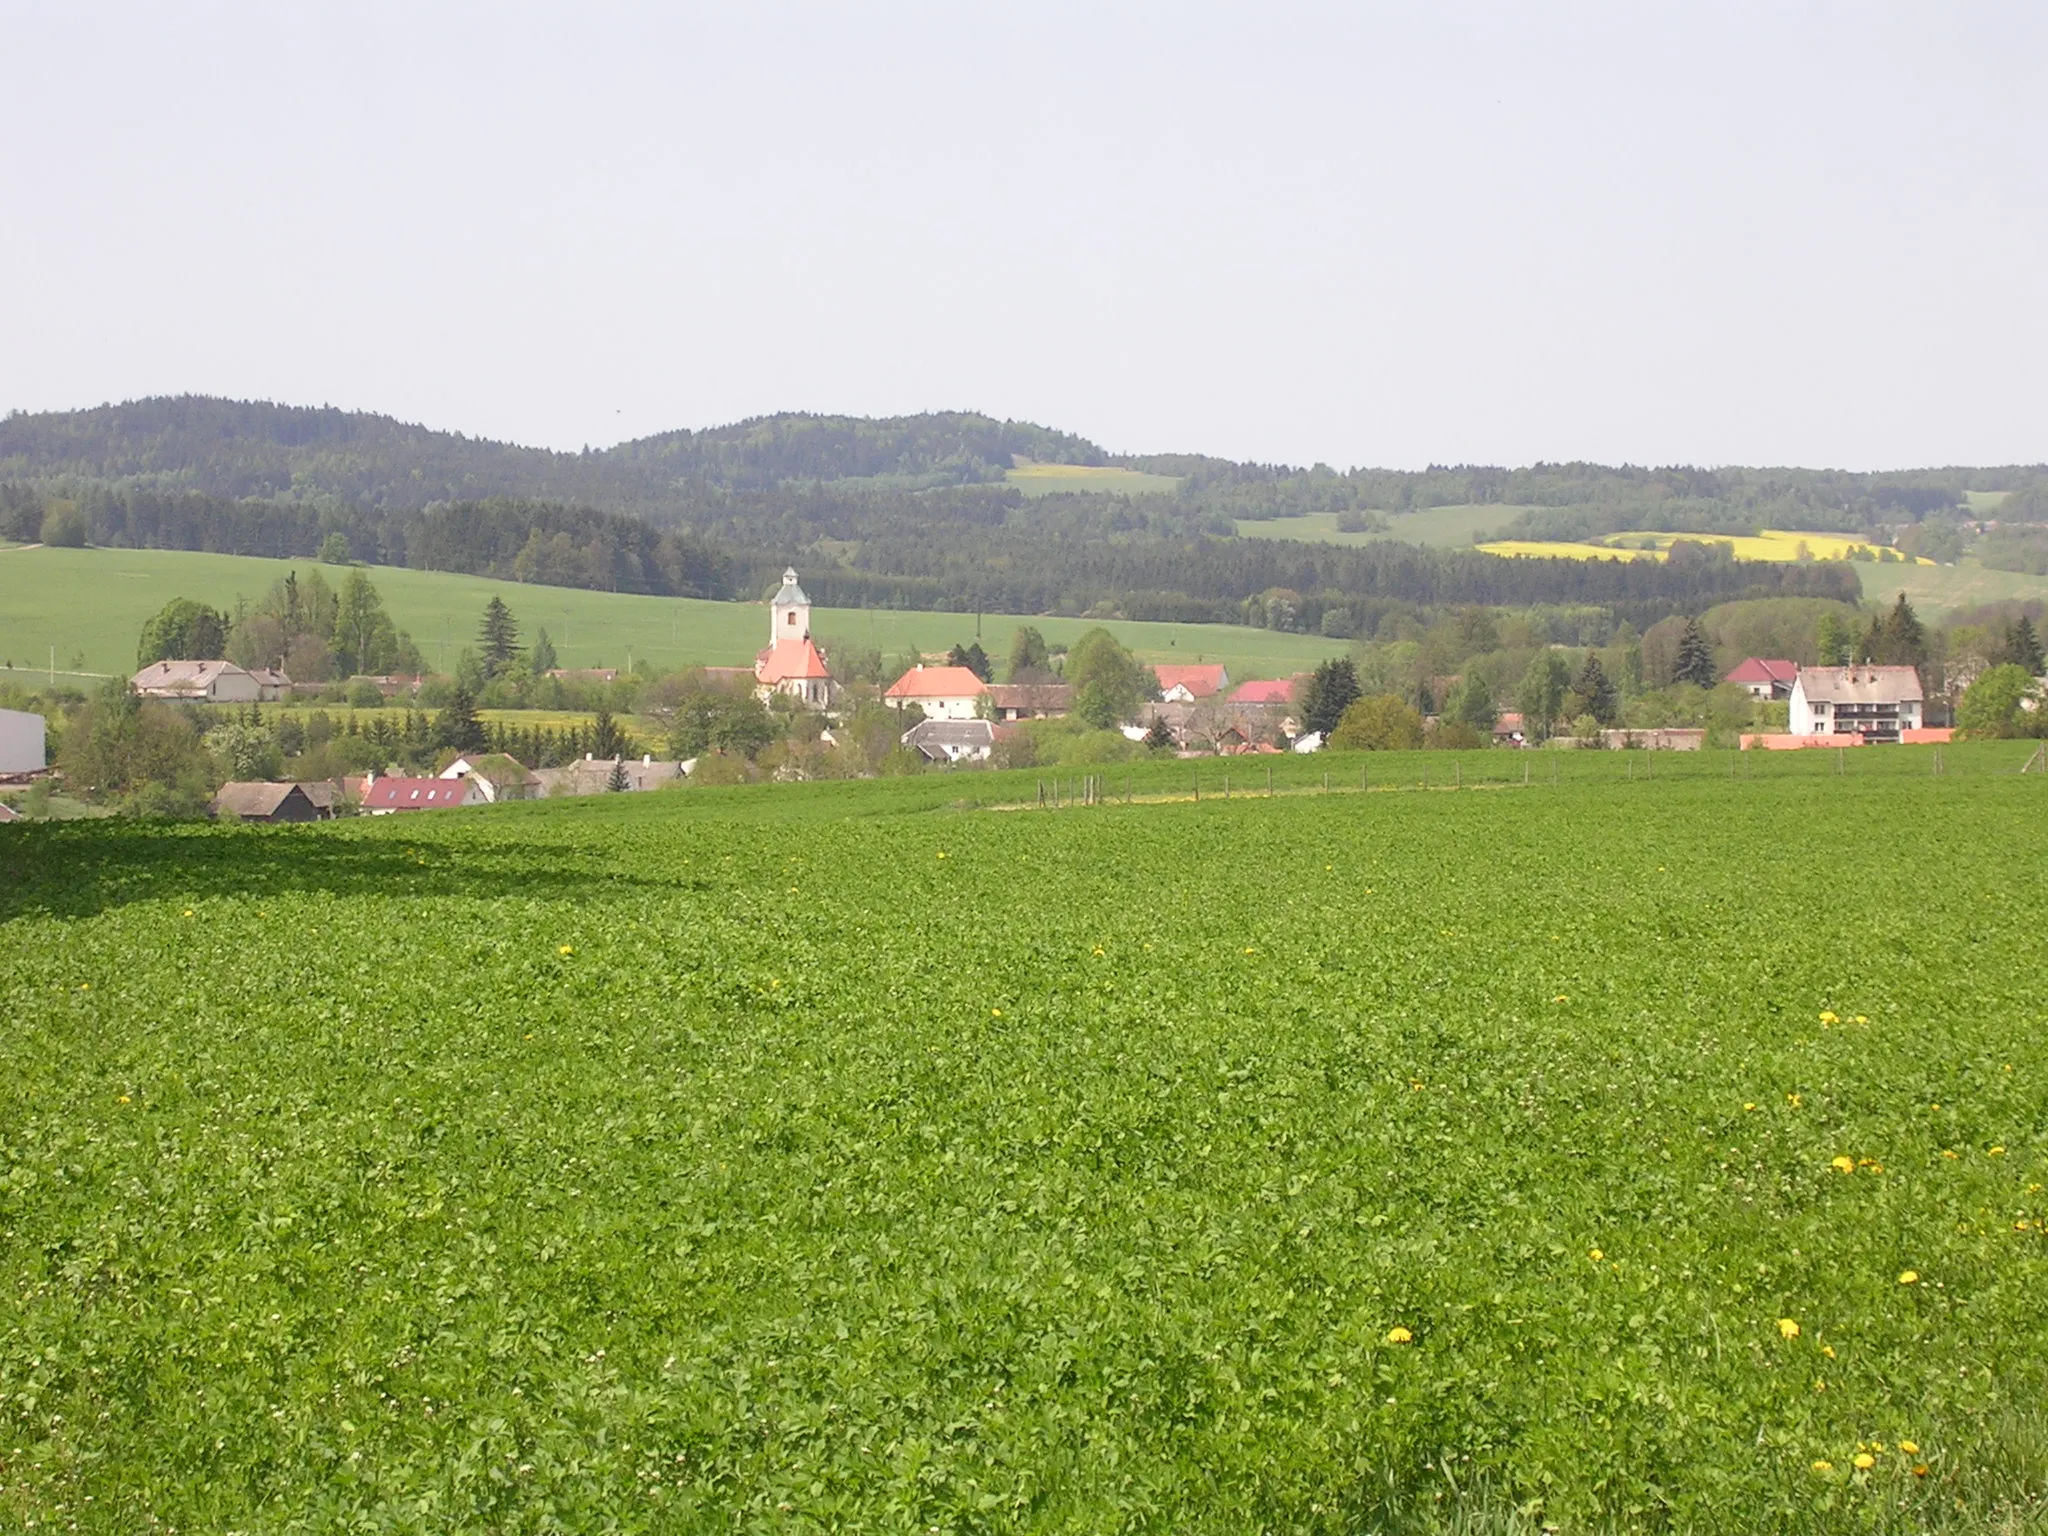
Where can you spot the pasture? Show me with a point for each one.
(1652, 1149)
(1438, 527)
(90, 604)
(1066, 479)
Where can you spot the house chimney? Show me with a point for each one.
(646, 759)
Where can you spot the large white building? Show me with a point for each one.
(1875, 703)
(792, 664)
(210, 682)
(21, 741)
(943, 693)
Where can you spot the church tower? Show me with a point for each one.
(789, 615)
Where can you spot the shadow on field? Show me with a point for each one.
(78, 869)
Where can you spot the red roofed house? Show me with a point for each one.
(792, 664)
(381, 797)
(1765, 679)
(1187, 684)
(943, 693)
(1276, 690)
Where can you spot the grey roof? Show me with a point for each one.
(961, 735)
(791, 592)
(251, 799)
(1861, 685)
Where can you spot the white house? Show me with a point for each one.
(792, 664)
(271, 683)
(210, 682)
(1875, 703)
(952, 741)
(21, 741)
(1191, 683)
(943, 693)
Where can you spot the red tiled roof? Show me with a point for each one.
(936, 683)
(1200, 679)
(1756, 670)
(791, 660)
(415, 794)
(1274, 690)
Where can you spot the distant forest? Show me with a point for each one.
(913, 512)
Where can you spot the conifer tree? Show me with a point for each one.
(2022, 646)
(543, 657)
(1593, 693)
(497, 637)
(1331, 689)
(1695, 657)
(1902, 641)
(457, 726)
(606, 739)
(616, 781)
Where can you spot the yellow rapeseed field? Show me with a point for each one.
(1772, 544)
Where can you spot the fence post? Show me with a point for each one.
(1198, 786)
(1269, 780)
(1525, 773)
(1226, 786)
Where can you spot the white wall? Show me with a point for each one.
(21, 741)
(233, 688)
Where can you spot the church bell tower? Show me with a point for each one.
(789, 615)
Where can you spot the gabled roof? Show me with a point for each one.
(270, 677)
(922, 682)
(416, 794)
(1756, 670)
(792, 661)
(1861, 685)
(960, 734)
(1201, 679)
(254, 799)
(1276, 690)
(9, 813)
(499, 767)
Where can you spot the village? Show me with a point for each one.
(948, 713)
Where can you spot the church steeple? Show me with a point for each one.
(789, 615)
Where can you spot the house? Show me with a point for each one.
(389, 684)
(952, 741)
(383, 797)
(943, 693)
(593, 776)
(1762, 679)
(271, 684)
(1875, 703)
(22, 741)
(792, 665)
(211, 682)
(1310, 742)
(1507, 729)
(502, 777)
(1188, 684)
(250, 801)
(1029, 701)
(1278, 690)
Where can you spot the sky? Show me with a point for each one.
(1359, 234)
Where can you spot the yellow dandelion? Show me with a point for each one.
(1794, 1100)
(1865, 1461)
(942, 854)
(1823, 1467)
(1560, 998)
(1099, 950)
(1595, 1255)
(565, 949)
(1828, 1017)
(995, 1013)
(1951, 1155)
(188, 911)
(1828, 1350)
(1909, 1277)
(1787, 1329)
(86, 986)
(1843, 1164)
(1248, 949)
(1749, 1108)
(125, 1099)
(1909, 1448)
(1996, 1152)
(1860, 1019)
(1399, 1336)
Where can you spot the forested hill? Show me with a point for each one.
(905, 511)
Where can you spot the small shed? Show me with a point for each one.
(257, 801)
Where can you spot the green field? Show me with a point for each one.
(1937, 589)
(1438, 527)
(1610, 1154)
(1057, 479)
(92, 603)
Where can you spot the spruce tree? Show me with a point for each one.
(1902, 642)
(543, 657)
(497, 636)
(2022, 646)
(606, 739)
(457, 727)
(1695, 657)
(1331, 689)
(1593, 693)
(616, 781)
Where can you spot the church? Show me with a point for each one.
(792, 664)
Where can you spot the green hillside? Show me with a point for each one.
(1938, 589)
(91, 604)
(1436, 527)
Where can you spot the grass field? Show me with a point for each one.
(827, 1158)
(92, 603)
(1438, 527)
(1937, 589)
(1055, 479)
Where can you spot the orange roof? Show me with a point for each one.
(1276, 690)
(791, 661)
(1201, 680)
(922, 682)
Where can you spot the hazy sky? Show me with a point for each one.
(1365, 234)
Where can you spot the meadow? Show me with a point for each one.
(1661, 1148)
(1437, 527)
(90, 604)
(1066, 479)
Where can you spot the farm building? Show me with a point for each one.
(1029, 701)
(1762, 679)
(1266, 690)
(1873, 703)
(384, 797)
(943, 693)
(792, 664)
(271, 684)
(952, 741)
(210, 682)
(270, 802)
(1662, 739)
(501, 777)
(1189, 684)
(22, 741)
(593, 776)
